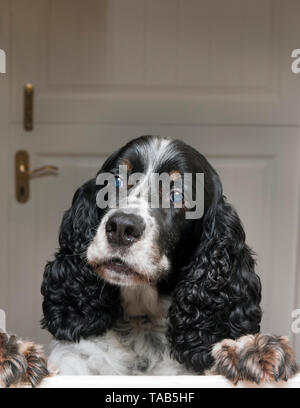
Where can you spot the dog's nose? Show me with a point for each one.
(124, 229)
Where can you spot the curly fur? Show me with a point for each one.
(21, 362)
(218, 293)
(77, 303)
(36, 363)
(254, 358)
(12, 363)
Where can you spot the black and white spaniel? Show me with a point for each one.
(138, 290)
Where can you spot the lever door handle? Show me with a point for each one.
(43, 171)
(23, 174)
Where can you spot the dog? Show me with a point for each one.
(137, 290)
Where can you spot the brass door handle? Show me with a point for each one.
(28, 107)
(24, 174)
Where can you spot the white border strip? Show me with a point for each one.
(111, 382)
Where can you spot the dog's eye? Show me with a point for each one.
(176, 196)
(118, 182)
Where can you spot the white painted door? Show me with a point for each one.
(215, 74)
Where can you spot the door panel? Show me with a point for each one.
(191, 61)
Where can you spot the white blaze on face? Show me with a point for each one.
(143, 256)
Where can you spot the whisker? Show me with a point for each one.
(104, 283)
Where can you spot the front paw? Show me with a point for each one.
(36, 363)
(256, 358)
(13, 365)
(21, 362)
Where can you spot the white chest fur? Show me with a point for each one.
(137, 345)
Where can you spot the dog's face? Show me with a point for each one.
(139, 244)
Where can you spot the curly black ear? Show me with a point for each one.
(218, 293)
(77, 303)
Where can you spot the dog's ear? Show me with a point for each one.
(218, 292)
(77, 303)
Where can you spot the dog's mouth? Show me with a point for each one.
(119, 266)
(117, 271)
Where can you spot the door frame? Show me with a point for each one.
(5, 12)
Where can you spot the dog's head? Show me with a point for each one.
(147, 232)
(202, 261)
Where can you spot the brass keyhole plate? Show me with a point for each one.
(22, 176)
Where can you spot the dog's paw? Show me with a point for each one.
(256, 358)
(13, 365)
(36, 363)
(21, 362)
